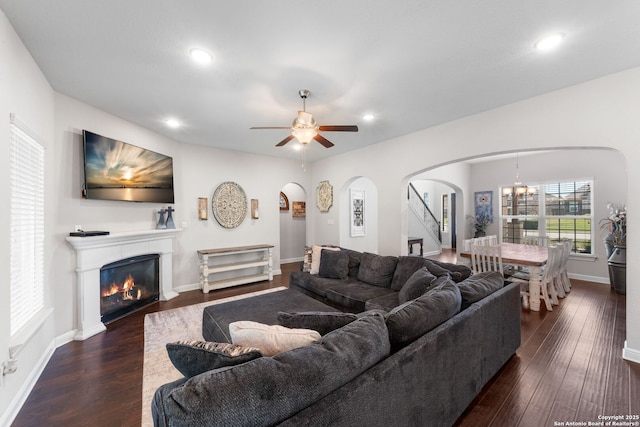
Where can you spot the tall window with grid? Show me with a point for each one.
(26, 226)
(557, 210)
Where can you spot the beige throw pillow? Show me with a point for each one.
(315, 257)
(270, 339)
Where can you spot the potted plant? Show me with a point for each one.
(616, 243)
(480, 223)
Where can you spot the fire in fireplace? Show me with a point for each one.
(128, 285)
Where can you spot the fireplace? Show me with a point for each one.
(128, 285)
(94, 252)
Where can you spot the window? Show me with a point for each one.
(445, 213)
(558, 210)
(26, 226)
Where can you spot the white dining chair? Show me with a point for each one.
(486, 258)
(535, 240)
(562, 274)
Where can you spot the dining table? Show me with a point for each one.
(534, 258)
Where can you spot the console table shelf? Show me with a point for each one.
(221, 260)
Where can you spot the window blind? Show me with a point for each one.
(26, 226)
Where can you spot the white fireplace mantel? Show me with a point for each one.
(95, 251)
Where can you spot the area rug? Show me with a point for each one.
(167, 326)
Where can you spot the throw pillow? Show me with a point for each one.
(457, 272)
(407, 265)
(419, 283)
(322, 322)
(306, 259)
(479, 286)
(270, 339)
(316, 255)
(377, 270)
(409, 321)
(193, 357)
(334, 264)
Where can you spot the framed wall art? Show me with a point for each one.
(229, 204)
(357, 213)
(202, 209)
(324, 196)
(483, 201)
(284, 202)
(299, 209)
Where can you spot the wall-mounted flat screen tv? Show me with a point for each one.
(115, 170)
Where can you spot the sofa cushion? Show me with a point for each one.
(334, 264)
(407, 265)
(270, 339)
(195, 357)
(268, 390)
(316, 257)
(419, 283)
(383, 303)
(354, 295)
(377, 270)
(479, 286)
(414, 318)
(354, 261)
(321, 321)
(457, 272)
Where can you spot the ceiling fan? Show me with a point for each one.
(304, 127)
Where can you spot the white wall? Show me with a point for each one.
(598, 113)
(25, 92)
(293, 230)
(198, 171)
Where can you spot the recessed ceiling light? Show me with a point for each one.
(201, 56)
(549, 42)
(368, 117)
(172, 123)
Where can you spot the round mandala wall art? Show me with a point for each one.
(229, 204)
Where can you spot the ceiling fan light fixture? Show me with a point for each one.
(304, 119)
(305, 134)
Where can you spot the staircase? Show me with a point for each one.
(426, 218)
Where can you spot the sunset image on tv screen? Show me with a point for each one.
(115, 170)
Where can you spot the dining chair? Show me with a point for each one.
(486, 258)
(563, 275)
(535, 240)
(547, 278)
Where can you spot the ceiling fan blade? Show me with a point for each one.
(284, 141)
(324, 141)
(270, 127)
(330, 128)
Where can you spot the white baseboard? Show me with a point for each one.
(431, 253)
(630, 354)
(65, 338)
(188, 287)
(596, 279)
(289, 260)
(18, 400)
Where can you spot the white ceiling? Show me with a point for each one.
(412, 63)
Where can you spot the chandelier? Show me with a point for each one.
(518, 187)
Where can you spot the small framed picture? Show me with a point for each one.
(284, 202)
(299, 209)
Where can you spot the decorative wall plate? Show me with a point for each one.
(229, 204)
(324, 194)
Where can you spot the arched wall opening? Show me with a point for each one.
(293, 223)
(606, 167)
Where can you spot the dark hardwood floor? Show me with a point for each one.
(568, 368)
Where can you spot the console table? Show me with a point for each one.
(242, 259)
(414, 240)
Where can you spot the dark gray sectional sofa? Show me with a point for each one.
(418, 363)
(369, 281)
